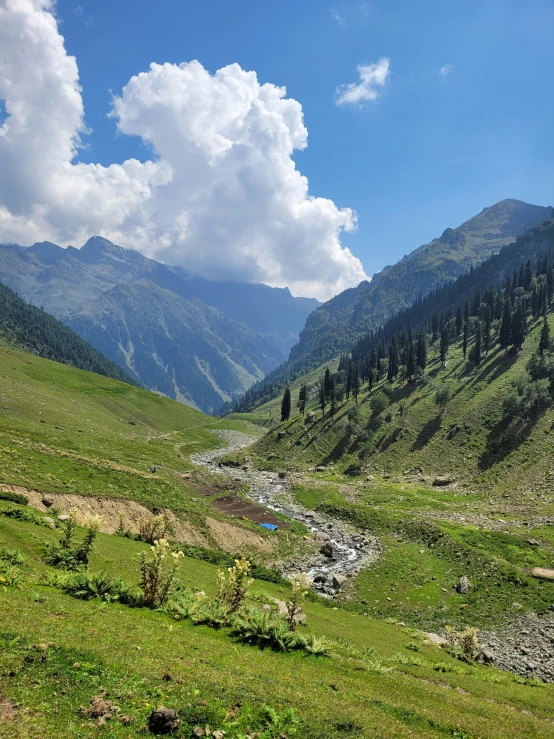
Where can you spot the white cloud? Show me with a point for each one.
(341, 20)
(445, 71)
(221, 195)
(372, 76)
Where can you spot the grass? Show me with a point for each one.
(58, 653)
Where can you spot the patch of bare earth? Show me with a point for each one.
(7, 709)
(226, 536)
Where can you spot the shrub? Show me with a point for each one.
(11, 556)
(69, 556)
(10, 576)
(154, 528)
(99, 585)
(24, 514)
(465, 643)
(232, 587)
(443, 396)
(379, 403)
(15, 498)
(265, 629)
(300, 588)
(158, 573)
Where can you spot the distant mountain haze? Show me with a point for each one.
(195, 340)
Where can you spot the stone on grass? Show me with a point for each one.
(441, 480)
(49, 522)
(464, 586)
(543, 573)
(64, 517)
(163, 721)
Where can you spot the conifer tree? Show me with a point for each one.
(435, 327)
(544, 343)
(459, 320)
(393, 359)
(477, 352)
(466, 310)
(410, 359)
(466, 338)
(322, 398)
(302, 398)
(421, 349)
(285, 405)
(355, 381)
(506, 325)
(349, 380)
(327, 382)
(519, 328)
(487, 325)
(444, 346)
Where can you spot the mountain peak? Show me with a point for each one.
(46, 252)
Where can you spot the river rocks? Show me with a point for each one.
(464, 586)
(338, 580)
(523, 646)
(327, 549)
(280, 475)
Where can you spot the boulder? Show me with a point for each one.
(154, 468)
(338, 580)
(49, 522)
(327, 549)
(464, 586)
(441, 480)
(436, 639)
(64, 517)
(281, 475)
(163, 721)
(320, 468)
(543, 573)
(47, 501)
(322, 536)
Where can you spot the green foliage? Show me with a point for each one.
(24, 514)
(233, 584)
(98, 586)
(14, 498)
(379, 403)
(157, 573)
(11, 556)
(66, 554)
(443, 396)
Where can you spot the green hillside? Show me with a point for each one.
(26, 327)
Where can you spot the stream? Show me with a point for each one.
(345, 551)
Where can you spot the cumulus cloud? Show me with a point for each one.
(372, 77)
(445, 71)
(220, 196)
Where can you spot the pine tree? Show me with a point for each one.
(519, 328)
(477, 352)
(528, 278)
(327, 381)
(322, 398)
(506, 325)
(544, 343)
(476, 303)
(421, 349)
(444, 346)
(370, 378)
(459, 320)
(487, 325)
(466, 310)
(393, 359)
(302, 398)
(410, 359)
(349, 380)
(355, 381)
(285, 405)
(435, 326)
(466, 338)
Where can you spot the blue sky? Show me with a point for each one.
(430, 152)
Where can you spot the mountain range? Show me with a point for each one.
(192, 339)
(337, 324)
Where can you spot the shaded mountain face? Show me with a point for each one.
(235, 332)
(335, 325)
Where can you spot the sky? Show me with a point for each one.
(303, 143)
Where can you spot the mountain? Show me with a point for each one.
(337, 324)
(31, 329)
(79, 286)
(493, 431)
(184, 349)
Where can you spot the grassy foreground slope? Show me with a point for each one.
(57, 653)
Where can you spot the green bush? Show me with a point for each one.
(99, 585)
(66, 555)
(25, 514)
(11, 556)
(15, 498)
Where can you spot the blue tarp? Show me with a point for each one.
(270, 526)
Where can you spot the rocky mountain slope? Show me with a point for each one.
(223, 337)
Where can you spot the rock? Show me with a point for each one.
(436, 639)
(163, 721)
(327, 549)
(154, 468)
(49, 522)
(281, 435)
(281, 475)
(64, 517)
(47, 502)
(543, 573)
(320, 468)
(132, 423)
(309, 417)
(186, 476)
(320, 578)
(338, 580)
(441, 480)
(516, 605)
(464, 586)
(322, 536)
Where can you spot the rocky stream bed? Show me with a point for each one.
(524, 645)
